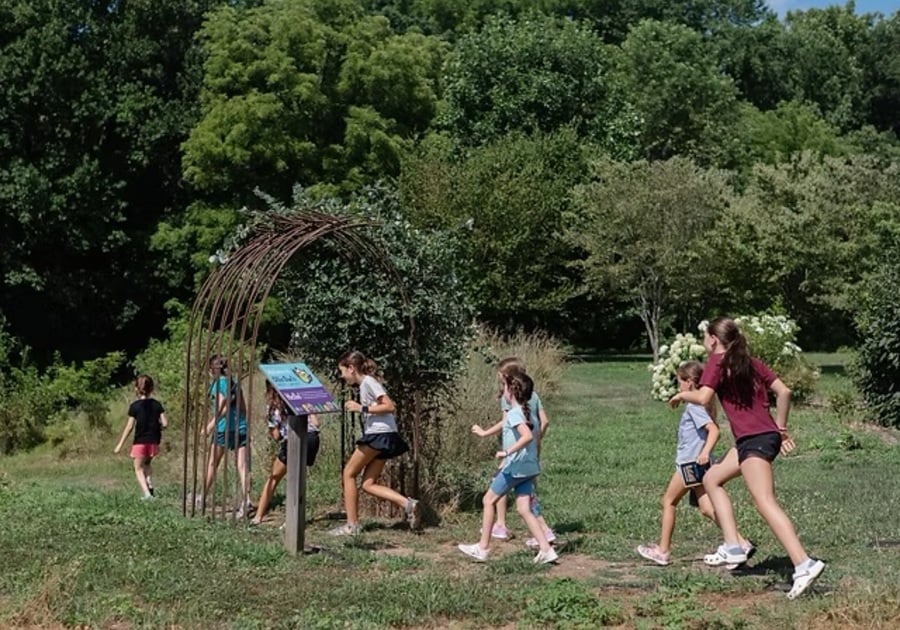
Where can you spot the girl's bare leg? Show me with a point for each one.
(758, 477)
(523, 505)
(277, 474)
(371, 473)
(675, 491)
(243, 474)
(488, 503)
(141, 477)
(354, 466)
(713, 483)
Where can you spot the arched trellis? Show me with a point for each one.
(225, 320)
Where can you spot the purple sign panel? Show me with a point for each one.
(300, 388)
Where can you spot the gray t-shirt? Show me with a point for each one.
(369, 391)
(691, 433)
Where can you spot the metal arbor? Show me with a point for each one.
(225, 320)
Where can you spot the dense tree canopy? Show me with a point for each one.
(132, 133)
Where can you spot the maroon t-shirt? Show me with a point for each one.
(744, 421)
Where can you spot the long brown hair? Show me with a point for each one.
(359, 362)
(143, 384)
(521, 387)
(738, 376)
(509, 366)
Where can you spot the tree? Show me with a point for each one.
(315, 93)
(513, 195)
(684, 105)
(644, 231)
(807, 233)
(96, 99)
(535, 74)
(877, 373)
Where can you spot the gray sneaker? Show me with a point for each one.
(413, 514)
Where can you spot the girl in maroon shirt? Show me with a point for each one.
(743, 385)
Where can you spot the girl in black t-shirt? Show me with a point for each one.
(148, 418)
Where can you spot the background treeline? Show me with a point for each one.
(611, 171)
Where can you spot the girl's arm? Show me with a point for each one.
(545, 422)
(314, 420)
(383, 404)
(163, 421)
(702, 396)
(494, 430)
(712, 436)
(525, 436)
(129, 425)
(221, 409)
(782, 407)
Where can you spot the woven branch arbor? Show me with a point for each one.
(225, 320)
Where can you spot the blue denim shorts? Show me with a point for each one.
(503, 483)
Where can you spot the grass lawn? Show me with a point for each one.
(78, 547)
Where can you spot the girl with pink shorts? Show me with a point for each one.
(148, 418)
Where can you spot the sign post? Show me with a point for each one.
(304, 394)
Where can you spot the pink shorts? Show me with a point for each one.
(145, 450)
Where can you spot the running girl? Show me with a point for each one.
(379, 443)
(743, 384)
(148, 418)
(518, 470)
(697, 436)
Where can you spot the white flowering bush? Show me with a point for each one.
(685, 347)
(771, 338)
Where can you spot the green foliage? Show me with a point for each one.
(565, 603)
(336, 301)
(790, 129)
(807, 233)
(513, 197)
(315, 93)
(877, 373)
(683, 103)
(96, 99)
(31, 399)
(535, 74)
(643, 228)
(164, 359)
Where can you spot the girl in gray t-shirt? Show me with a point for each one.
(380, 441)
(697, 435)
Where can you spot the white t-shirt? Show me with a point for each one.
(369, 391)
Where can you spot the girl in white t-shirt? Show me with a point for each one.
(379, 443)
(697, 435)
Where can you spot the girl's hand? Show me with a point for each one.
(477, 430)
(787, 444)
(703, 459)
(675, 400)
(352, 406)
(117, 449)
(501, 454)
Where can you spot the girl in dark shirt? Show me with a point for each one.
(148, 418)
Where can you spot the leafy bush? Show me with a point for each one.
(771, 338)
(31, 400)
(877, 367)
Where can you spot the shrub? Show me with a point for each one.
(457, 477)
(771, 338)
(877, 366)
(31, 400)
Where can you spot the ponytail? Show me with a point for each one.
(738, 377)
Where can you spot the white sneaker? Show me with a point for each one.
(345, 530)
(474, 551)
(723, 556)
(532, 543)
(804, 579)
(546, 558)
